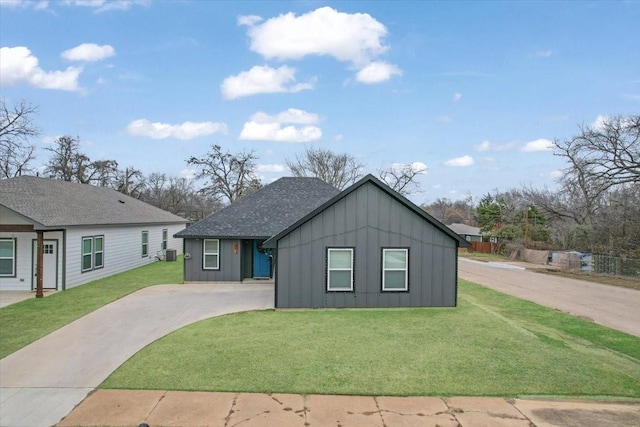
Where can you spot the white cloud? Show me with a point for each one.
(538, 145)
(490, 146)
(249, 20)
(463, 161)
(417, 167)
(262, 79)
(89, 52)
(184, 131)
(291, 115)
(556, 174)
(543, 54)
(338, 137)
(106, 5)
(273, 168)
(18, 65)
(457, 96)
(36, 4)
(188, 173)
(444, 119)
(355, 38)
(599, 122)
(263, 127)
(377, 72)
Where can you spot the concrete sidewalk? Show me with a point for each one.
(190, 409)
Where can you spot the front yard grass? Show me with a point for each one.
(24, 322)
(492, 344)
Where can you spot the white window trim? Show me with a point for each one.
(95, 267)
(145, 245)
(84, 254)
(405, 269)
(205, 253)
(329, 270)
(165, 239)
(93, 253)
(13, 258)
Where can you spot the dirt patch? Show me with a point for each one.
(623, 282)
(586, 418)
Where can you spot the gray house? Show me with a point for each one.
(469, 232)
(366, 246)
(227, 246)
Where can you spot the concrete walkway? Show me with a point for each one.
(12, 297)
(612, 306)
(190, 409)
(42, 382)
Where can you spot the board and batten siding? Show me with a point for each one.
(122, 249)
(230, 263)
(367, 220)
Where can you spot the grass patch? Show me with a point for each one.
(482, 256)
(491, 345)
(25, 322)
(623, 282)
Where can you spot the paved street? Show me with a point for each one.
(42, 382)
(615, 307)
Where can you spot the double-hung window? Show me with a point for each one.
(164, 239)
(211, 254)
(7, 257)
(340, 269)
(395, 269)
(145, 244)
(92, 253)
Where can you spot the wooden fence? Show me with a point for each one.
(484, 247)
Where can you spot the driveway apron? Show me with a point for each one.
(615, 307)
(42, 382)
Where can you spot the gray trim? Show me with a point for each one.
(15, 257)
(144, 247)
(64, 259)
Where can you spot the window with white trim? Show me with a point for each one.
(92, 253)
(7, 257)
(395, 269)
(164, 239)
(211, 254)
(145, 244)
(340, 269)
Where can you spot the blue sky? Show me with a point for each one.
(475, 91)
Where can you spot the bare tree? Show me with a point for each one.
(402, 177)
(230, 175)
(68, 163)
(339, 170)
(605, 155)
(131, 182)
(16, 128)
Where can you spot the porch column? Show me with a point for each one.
(39, 269)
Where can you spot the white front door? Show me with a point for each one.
(49, 264)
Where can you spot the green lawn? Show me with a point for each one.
(491, 345)
(26, 321)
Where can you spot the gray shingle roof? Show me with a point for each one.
(465, 230)
(265, 212)
(55, 203)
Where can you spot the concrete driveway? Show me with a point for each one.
(42, 382)
(615, 307)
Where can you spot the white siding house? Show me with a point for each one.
(88, 233)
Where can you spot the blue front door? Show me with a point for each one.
(261, 262)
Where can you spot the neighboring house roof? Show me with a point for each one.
(55, 203)
(272, 242)
(265, 212)
(465, 230)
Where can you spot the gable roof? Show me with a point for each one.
(265, 212)
(272, 242)
(464, 229)
(55, 203)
